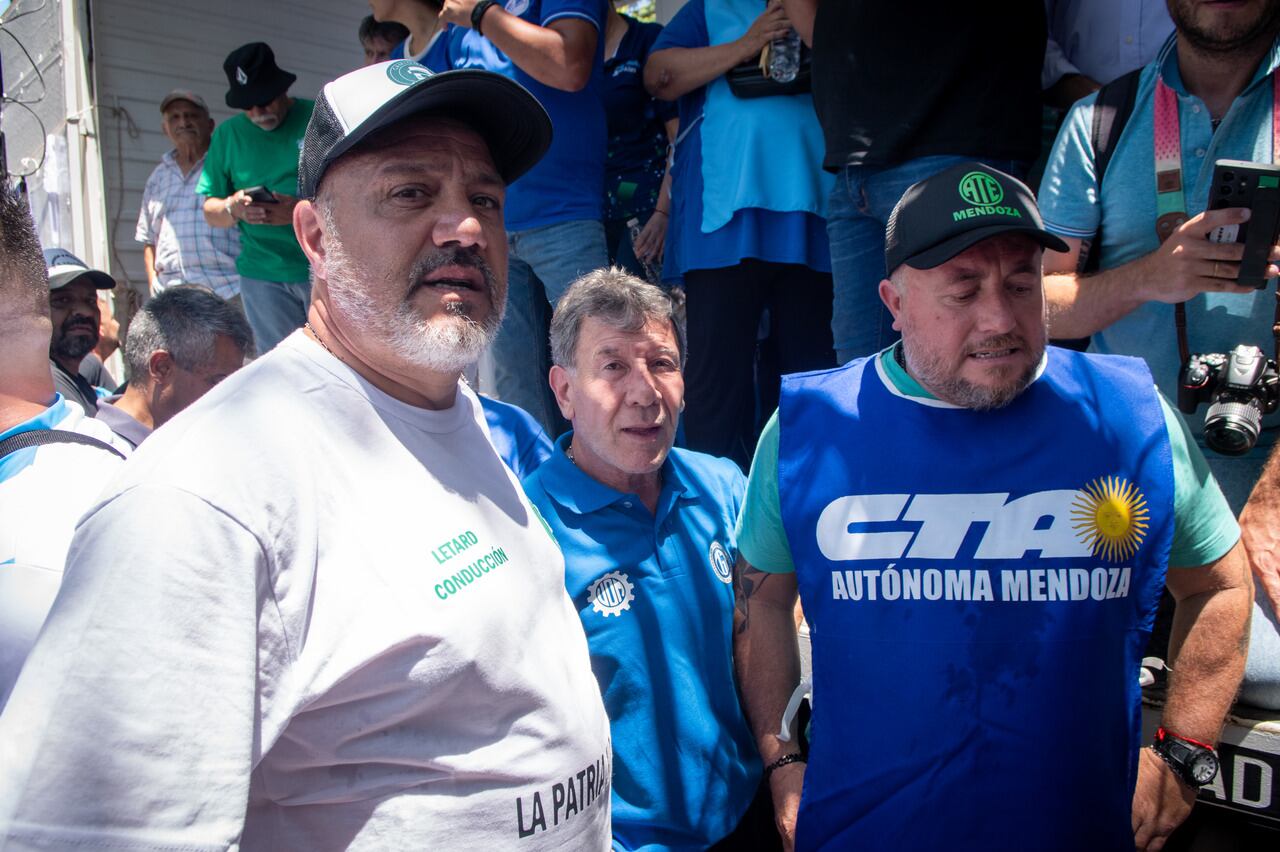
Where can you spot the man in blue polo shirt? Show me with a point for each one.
(554, 214)
(1210, 94)
(980, 528)
(647, 533)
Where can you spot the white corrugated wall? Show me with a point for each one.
(145, 48)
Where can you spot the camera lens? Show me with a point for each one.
(1231, 428)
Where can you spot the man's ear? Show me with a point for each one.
(560, 386)
(160, 367)
(892, 300)
(308, 226)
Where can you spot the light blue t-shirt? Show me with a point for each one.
(655, 596)
(1125, 209)
(568, 182)
(751, 232)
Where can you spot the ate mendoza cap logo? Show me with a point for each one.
(981, 189)
(929, 225)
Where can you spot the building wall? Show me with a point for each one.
(143, 49)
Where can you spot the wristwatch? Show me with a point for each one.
(1191, 760)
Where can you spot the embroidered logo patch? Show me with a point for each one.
(406, 72)
(611, 594)
(721, 564)
(981, 189)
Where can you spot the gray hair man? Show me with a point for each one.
(178, 245)
(647, 533)
(317, 611)
(179, 346)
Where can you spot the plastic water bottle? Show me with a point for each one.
(784, 57)
(633, 228)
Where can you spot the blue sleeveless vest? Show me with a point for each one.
(980, 588)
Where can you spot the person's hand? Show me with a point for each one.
(1160, 802)
(237, 205)
(771, 24)
(1188, 264)
(280, 213)
(652, 239)
(785, 784)
(458, 12)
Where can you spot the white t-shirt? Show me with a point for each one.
(310, 616)
(43, 492)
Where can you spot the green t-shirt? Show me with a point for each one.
(1203, 530)
(240, 156)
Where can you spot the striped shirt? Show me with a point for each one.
(188, 250)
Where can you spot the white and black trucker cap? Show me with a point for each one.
(350, 108)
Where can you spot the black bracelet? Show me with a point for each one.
(477, 14)
(783, 761)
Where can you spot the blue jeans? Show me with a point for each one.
(275, 309)
(857, 212)
(543, 262)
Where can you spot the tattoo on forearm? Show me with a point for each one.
(747, 581)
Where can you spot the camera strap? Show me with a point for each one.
(1171, 201)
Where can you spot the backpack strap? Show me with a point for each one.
(41, 437)
(1111, 113)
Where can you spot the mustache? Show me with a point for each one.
(1000, 341)
(78, 321)
(452, 256)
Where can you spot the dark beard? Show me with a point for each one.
(65, 346)
(1261, 31)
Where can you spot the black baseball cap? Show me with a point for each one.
(254, 77)
(350, 108)
(943, 215)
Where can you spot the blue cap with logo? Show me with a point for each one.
(64, 268)
(943, 215)
(350, 108)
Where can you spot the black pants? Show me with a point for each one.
(731, 384)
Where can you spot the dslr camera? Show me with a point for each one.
(1240, 388)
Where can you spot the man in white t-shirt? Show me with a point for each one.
(44, 487)
(316, 611)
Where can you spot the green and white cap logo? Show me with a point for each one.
(406, 72)
(981, 189)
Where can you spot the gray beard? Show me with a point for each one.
(440, 344)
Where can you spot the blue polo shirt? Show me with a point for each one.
(568, 183)
(752, 232)
(518, 438)
(1124, 208)
(655, 597)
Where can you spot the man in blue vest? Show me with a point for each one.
(979, 529)
(647, 533)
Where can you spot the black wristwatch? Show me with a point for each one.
(477, 13)
(1192, 761)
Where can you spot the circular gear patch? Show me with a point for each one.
(611, 594)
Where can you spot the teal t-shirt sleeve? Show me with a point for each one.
(215, 181)
(1204, 528)
(1068, 197)
(762, 541)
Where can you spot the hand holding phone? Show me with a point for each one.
(1255, 186)
(261, 195)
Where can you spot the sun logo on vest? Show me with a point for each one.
(1111, 516)
(721, 564)
(611, 594)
